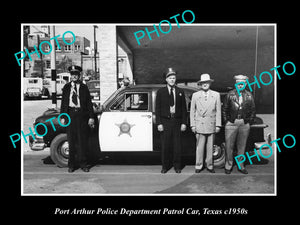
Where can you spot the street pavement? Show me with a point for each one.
(40, 178)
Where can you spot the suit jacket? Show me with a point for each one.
(231, 107)
(84, 98)
(162, 105)
(205, 115)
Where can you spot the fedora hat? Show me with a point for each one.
(204, 78)
(170, 72)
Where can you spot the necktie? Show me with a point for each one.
(74, 96)
(240, 99)
(172, 97)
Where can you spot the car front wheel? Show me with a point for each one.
(59, 150)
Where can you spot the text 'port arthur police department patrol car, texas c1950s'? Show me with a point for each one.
(125, 124)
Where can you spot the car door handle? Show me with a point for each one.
(148, 116)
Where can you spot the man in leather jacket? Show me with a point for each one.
(238, 113)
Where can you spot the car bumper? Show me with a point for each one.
(258, 125)
(33, 94)
(264, 144)
(36, 144)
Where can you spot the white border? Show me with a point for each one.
(157, 194)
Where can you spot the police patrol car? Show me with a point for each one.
(126, 124)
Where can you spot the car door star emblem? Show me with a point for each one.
(125, 127)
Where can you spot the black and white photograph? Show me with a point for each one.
(143, 111)
(157, 109)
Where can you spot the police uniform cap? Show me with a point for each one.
(170, 72)
(74, 68)
(240, 77)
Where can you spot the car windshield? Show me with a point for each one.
(113, 96)
(33, 81)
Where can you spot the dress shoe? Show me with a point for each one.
(243, 171)
(211, 170)
(177, 170)
(163, 171)
(198, 170)
(227, 171)
(85, 169)
(71, 170)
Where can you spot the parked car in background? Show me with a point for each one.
(32, 87)
(47, 89)
(94, 88)
(61, 80)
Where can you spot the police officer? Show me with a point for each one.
(238, 113)
(171, 118)
(76, 102)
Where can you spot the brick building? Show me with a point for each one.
(77, 53)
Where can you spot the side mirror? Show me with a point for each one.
(101, 108)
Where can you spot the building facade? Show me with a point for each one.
(66, 55)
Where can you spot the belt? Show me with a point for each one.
(171, 116)
(74, 109)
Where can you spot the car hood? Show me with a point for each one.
(51, 112)
(47, 115)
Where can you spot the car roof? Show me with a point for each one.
(143, 87)
(155, 86)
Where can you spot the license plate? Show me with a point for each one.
(33, 93)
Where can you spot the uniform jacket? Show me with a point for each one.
(231, 106)
(84, 98)
(162, 105)
(205, 115)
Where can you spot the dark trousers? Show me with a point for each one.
(77, 135)
(171, 143)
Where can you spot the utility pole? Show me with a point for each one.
(95, 50)
(53, 67)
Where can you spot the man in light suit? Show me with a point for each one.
(205, 116)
